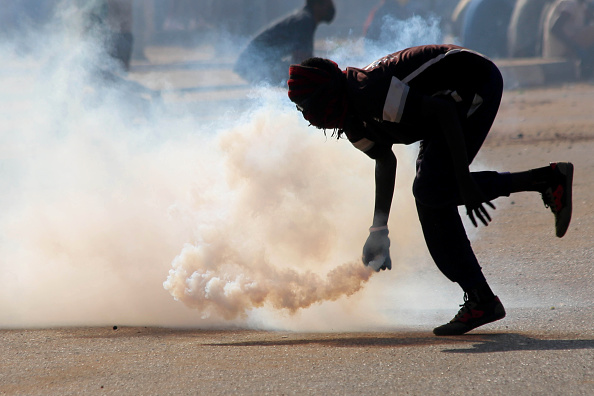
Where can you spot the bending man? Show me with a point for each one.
(447, 98)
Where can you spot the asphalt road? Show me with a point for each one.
(545, 345)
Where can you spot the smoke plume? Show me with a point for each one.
(246, 216)
(231, 289)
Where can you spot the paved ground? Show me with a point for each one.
(545, 346)
(158, 361)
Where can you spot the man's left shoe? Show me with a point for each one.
(472, 315)
(557, 195)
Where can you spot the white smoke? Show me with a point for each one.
(279, 206)
(105, 190)
(399, 34)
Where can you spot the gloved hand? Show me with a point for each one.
(376, 251)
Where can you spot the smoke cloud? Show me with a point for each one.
(398, 34)
(230, 290)
(114, 202)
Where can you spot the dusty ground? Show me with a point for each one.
(548, 349)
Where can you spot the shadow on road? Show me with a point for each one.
(518, 342)
(342, 341)
(468, 343)
(473, 343)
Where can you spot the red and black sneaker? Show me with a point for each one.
(472, 315)
(557, 195)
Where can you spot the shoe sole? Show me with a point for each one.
(564, 216)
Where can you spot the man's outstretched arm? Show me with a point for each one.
(385, 177)
(376, 252)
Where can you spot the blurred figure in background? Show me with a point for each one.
(268, 55)
(111, 22)
(143, 27)
(524, 37)
(568, 33)
(457, 18)
(485, 26)
(119, 23)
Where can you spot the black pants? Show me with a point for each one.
(436, 191)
